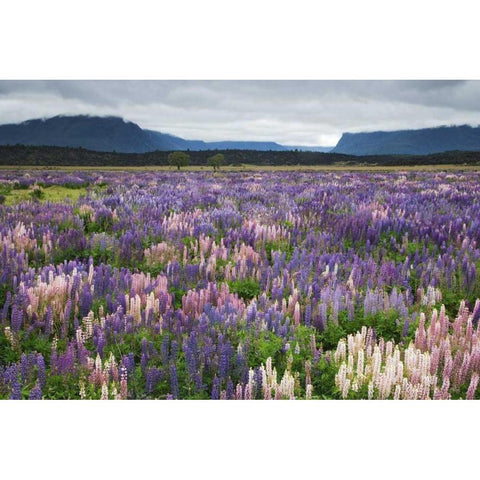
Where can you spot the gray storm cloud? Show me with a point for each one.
(289, 112)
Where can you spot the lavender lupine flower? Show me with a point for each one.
(24, 370)
(216, 389)
(173, 350)
(86, 300)
(191, 352)
(174, 382)
(199, 386)
(230, 392)
(164, 349)
(11, 375)
(258, 382)
(16, 390)
(101, 342)
(6, 305)
(49, 321)
(36, 392)
(308, 315)
(16, 318)
(224, 363)
(153, 376)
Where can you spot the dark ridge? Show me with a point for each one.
(62, 156)
(411, 142)
(108, 134)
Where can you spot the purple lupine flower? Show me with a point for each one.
(86, 300)
(16, 390)
(164, 349)
(258, 383)
(190, 356)
(224, 363)
(230, 390)
(66, 360)
(16, 318)
(199, 386)
(6, 305)
(174, 381)
(173, 350)
(143, 361)
(128, 361)
(35, 393)
(11, 375)
(215, 389)
(101, 342)
(48, 321)
(406, 325)
(152, 377)
(308, 315)
(24, 370)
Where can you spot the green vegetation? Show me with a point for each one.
(179, 159)
(216, 161)
(53, 193)
(246, 289)
(41, 156)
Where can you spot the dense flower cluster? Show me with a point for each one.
(240, 285)
(443, 360)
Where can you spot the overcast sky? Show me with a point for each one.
(288, 112)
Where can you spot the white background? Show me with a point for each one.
(208, 39)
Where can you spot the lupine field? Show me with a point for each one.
(245, 285)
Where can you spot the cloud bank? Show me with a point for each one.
(299, 112)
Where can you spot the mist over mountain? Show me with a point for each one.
(413, 142)
(108, 134)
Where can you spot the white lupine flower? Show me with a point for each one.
(309, 391)
(104, 391)
(360, 363)
(398, 390)
(415, 372)
(345, 389)
(370, 390)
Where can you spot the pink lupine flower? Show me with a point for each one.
(473, 386)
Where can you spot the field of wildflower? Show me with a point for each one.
(239, 285)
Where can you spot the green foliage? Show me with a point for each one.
(264, 345)
(216, 161)
(76, 186)
(178, 295)
(7, 354)
(279, 246)
(246, 289)
(37, 193)
(64, 156)
(20, 186)
(386, 325)
(179, 159)
(62, 387)
(323, 380)
(50, 193)
(330, 336)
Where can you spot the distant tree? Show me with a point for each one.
(216, 161)
(179, 159)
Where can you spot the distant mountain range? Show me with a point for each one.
(107, 134)
(411, 142)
